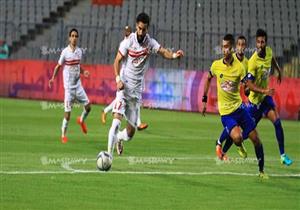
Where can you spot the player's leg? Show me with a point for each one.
(118, 113)
(248, 125)
(106, 110)
(230, 124)
(140, 126)
(219, 150)
(126, 134)
(83, 99)
(68, 107)
(273, 116)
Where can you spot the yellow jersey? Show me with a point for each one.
(260, 69)
(244, 61)
(228, 84)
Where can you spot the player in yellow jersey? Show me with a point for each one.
(229, 73)
(239, 55)
(260, 98)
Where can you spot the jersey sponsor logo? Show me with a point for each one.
(229, 86)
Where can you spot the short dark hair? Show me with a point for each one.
(242, 37)
(144, 18)
(73, 29)
(230, 38)
(260, 32)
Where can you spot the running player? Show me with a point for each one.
(229, 73)
(70, 57)
(135, 52)
(109, 108)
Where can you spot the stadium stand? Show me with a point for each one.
(31, 26)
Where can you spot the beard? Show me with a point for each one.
(140, 38)
(262, 52)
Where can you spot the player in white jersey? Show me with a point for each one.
(135, 51)
(140, 125)
(70, 57)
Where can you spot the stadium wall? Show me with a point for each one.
(166, 89)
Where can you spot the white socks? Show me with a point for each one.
(112, 135)
(122, 135)
(109, 107)
(64, 127)
(83, 116)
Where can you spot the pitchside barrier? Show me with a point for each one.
(175, 89)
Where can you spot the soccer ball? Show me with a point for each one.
(104, 161)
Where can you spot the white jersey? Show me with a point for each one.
(71, 71)
(136, 62)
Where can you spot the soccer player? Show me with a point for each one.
(71, 57)
(260, 98)
(229, 73)
(135, 52)
(239, 55)
(140, 125)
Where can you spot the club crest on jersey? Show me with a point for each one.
(221, 75)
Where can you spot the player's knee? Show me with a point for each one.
(88, 108)
(67, 116)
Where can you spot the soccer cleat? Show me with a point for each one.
(103, 117)
(219, 152)
(82, 125)
(64, 139)
(262, 175)
(242, 151)
(120, 147)
(284, 159)
(142, 126)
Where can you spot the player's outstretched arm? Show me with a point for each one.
(85, 73)
(56, 69)
(117, 67)
(278, 69)
(206, 88)
(255, 88)
(168, 54)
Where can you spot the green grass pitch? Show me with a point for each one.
(171, 165)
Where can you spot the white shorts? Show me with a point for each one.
(128, 107)
(77, 94)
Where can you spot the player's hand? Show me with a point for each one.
(204, 108)
(269, 92)
(50, 82)
(86, 74)
(179, 54)
(120, 85)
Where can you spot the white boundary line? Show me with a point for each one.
(74, 171)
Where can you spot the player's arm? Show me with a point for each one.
(206, 88)
(253, 87)
(117, 68)
(56, 69)
(278, 69)
(168, 54)
(85, 73)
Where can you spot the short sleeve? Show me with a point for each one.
(124, 46)
(61, 59)
(154, 45)
(251, 68)
(212, 70)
